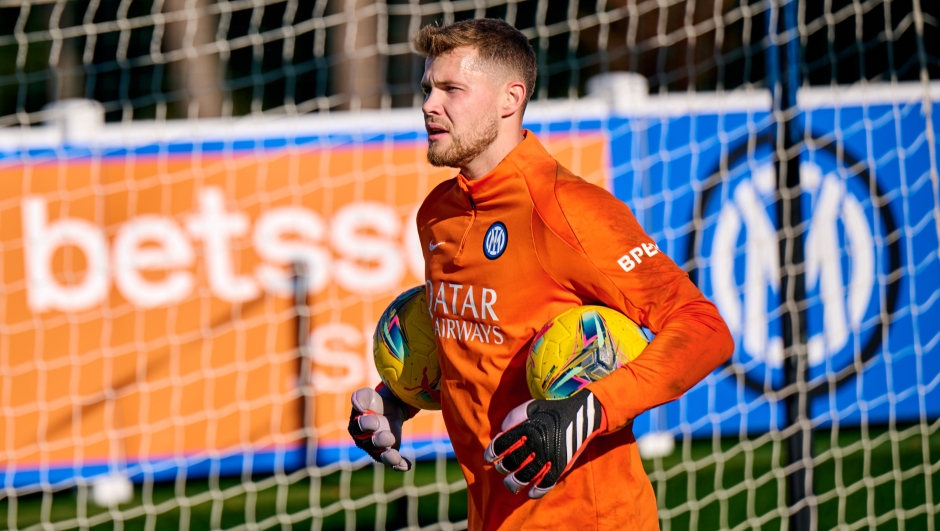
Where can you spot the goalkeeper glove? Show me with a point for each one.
(375, 425)
(541, 439)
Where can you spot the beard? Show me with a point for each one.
(464, 147)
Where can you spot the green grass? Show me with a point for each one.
(703, 485)
(232, 508)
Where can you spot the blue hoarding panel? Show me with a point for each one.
(705, 188)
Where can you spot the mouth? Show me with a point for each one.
(435, 131)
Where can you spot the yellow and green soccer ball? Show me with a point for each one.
(578, 347)
(405, 350)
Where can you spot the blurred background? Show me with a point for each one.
(206, 205)
(178, 59)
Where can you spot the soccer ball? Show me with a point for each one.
(578, 347)
(405, 350)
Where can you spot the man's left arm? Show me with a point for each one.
(626, 271)
(591, 244)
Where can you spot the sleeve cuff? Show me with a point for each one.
(611, 397)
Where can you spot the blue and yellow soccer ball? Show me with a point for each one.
(578, 347)
(405, 350)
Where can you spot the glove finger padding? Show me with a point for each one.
(531, 470)
(510, 438)
(369, 422)
(392, 458)
(375, 424)
(364, 437)
(542, 439)
(373, 431)
(514, 448)
(367, 399)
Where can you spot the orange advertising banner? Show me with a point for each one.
(148, 312)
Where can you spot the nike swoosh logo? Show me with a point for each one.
(432, 245)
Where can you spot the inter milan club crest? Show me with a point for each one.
(494, 243)
(850, 264)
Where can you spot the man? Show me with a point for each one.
(512, 241)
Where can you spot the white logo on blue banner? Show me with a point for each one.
(495, 240)
(845, 255)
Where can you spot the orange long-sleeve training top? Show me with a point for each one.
(504, 254)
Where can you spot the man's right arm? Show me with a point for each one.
(375, 424)
(377, 416)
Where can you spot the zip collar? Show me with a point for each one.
(529, 152)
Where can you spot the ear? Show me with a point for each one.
(513, 97)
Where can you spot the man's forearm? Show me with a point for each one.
(694, 342)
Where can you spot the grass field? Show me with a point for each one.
(703, 485)
(862, 481)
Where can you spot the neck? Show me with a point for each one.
(505, 142)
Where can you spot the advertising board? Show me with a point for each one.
(149, 317)
(704, 183)
(149, 321)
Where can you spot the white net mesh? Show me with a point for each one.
(159, 368)
(196, 58)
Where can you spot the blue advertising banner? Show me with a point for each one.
(704, 185)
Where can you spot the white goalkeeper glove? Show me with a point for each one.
(541, 440)
(375, 425)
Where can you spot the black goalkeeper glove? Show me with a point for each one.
(541, 440)
(375, 424)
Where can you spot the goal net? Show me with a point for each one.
(206, 205)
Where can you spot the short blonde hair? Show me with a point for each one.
(495, 41)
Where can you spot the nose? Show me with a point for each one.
(432, 105)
